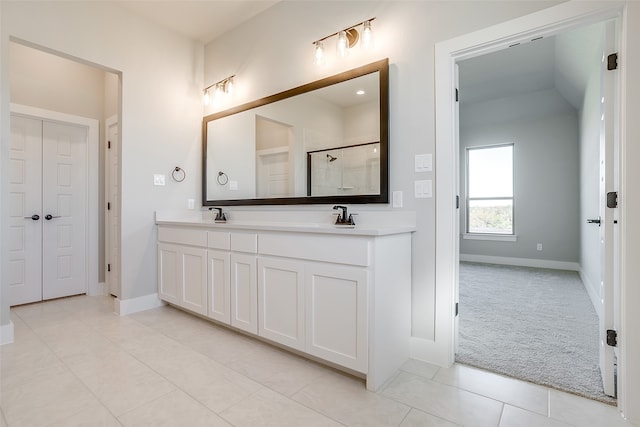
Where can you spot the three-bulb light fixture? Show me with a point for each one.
(223, 87)
(347, 39)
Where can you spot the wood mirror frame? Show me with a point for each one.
(382, 68)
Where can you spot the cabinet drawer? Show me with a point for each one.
(335, 249)
(244, 242)
(218, 240)
(183, 236)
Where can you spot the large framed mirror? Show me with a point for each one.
(323, 142)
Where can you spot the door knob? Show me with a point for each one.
(49, 217)
(594, 221)
(34, 217)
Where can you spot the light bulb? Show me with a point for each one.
(206, 98)
(367, 35)
(318, 54)
(228, 87)
(343, 44)
(219, 91)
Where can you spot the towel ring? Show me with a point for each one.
(222, 178)
(178, 174)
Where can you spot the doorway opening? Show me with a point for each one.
(64, 94)
(545, 97)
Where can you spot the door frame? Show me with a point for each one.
(547, 22)
(91, 235)
(109, 175)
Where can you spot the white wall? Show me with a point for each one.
(161, 112)
(267, 59)
(544, 130)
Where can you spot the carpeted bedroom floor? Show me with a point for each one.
(533, 324)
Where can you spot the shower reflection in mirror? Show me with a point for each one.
(350, 169)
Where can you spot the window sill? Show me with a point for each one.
(491, 237)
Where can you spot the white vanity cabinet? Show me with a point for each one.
(281, 303)
(182, 268)
(336, 314)
(219, 276)
(244, 284)
(342, 296)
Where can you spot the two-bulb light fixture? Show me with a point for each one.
(223, 87)
(347, 39)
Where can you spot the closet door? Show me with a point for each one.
(24, 237)
(64, 205)
(47, 210)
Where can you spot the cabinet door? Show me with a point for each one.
(336, 314)
(244, 293)
(193, 279)
(168, 275)
(219, 286)
(281, 301)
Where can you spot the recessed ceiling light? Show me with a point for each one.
(360, 92)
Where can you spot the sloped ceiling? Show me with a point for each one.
(198, 20)
(563, 62)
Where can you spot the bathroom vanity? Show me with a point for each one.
(337, 295)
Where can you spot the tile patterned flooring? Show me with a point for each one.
(75, 363)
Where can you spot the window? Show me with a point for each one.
(490, 190)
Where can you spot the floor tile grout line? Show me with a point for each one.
(244, 376)
(84, 385)
(498, 400)
(209, 358)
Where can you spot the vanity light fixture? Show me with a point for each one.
(318, 53)
(223, 87)
(347, 39)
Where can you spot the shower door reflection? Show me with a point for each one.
(344, 170)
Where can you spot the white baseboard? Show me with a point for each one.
(427, 351)
(6, 333)
(96, 289)
(523, 262)
(134, 305)
(592, 291)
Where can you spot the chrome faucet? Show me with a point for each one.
(342, 218)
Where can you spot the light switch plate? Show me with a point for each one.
(397, 199)
(423, 163)
(423, 189)
(158, 179)
(233, 185)
(191, 204)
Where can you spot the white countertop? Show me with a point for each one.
(204, 219)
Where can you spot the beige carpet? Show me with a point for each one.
(533, 324)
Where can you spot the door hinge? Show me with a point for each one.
(108, 267)
(457, 202)
(612, 338)
(108, 206)
(612, 61)
(457, 309)
(457, 95)
(109, 145)
(612, 199)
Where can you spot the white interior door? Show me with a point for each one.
(48, 194)
(64, 206)
(607, 215)
(273, 173)
(25, 212)
(112, 216)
